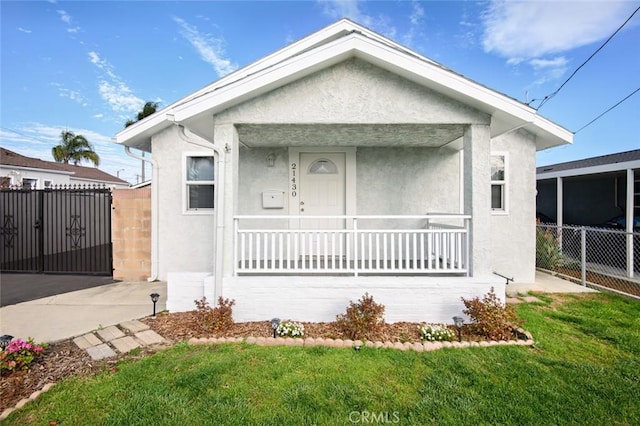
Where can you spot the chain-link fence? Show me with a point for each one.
(595, 257)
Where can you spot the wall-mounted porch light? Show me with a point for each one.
(275, 322)
(154, 299)
(459, 322)
(271, 159)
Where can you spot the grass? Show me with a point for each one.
(584, 369)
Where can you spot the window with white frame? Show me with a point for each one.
(499, 171)
(199, 183)
(29, 183)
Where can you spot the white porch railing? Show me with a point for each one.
(414, 245)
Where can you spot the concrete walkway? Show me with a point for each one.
(546, 283)
(73, 314)
(87, 311)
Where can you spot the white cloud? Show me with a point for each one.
(95, 59)
(210, 49)
(119, 96)
(113, 89)
(535, 32)
(65, 17)
(337, 9)
(559, 61)
(24, 30)
(533, 29)
(99, 115)
(417, 13)
(416, 19)
(74, 95)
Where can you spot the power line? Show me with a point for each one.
(548, 97)
(625, 98)
(25, 135)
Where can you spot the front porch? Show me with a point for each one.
(363, 245)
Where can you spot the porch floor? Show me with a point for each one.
(337, 266)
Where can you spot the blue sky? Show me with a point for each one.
(89, 66)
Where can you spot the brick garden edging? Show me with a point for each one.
(339, 343)
(24, 401)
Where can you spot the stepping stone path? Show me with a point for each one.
(122, 338)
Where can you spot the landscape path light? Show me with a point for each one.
(154, 299)
(275, 322)
(5, 339)
(459, 322)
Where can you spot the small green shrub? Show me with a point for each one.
(219, 318)
(290, 329)
(18, 355)
(362, 320)
(436, 333)
(490, 317)
(548, 253)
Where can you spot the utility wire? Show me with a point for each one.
(548, 97)
(626, 97)
(25, 135)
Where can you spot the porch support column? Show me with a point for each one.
(559, 198)
(630, 221)
(226, 138)
(559, 209)
(477, 196)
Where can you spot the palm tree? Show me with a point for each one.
(75, 148)
(148, 109)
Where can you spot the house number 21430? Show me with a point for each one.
(294, 185)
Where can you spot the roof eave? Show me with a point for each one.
(294, 62)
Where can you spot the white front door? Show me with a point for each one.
(322, 189)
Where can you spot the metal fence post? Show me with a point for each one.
(583, 255)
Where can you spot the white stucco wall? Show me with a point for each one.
(352, 92)
(185, 240)
(407, 181)
(18, 173)
(429, 299)
(513, 234)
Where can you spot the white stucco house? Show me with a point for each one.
(342, 164)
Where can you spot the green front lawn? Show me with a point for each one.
(584, 369)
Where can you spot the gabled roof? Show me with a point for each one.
(601, 164)
(329, 46)
(10, 158)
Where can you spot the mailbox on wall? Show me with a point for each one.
(273, 200)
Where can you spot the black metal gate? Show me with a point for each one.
(60, 230)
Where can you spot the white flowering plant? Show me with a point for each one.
(290, 329)
(436, 332)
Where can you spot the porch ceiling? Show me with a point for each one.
(425, 135)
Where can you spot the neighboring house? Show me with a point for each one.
(342, 164)
(594, 191)
(20, 171)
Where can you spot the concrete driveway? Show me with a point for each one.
(71, 314)
(17, 288)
